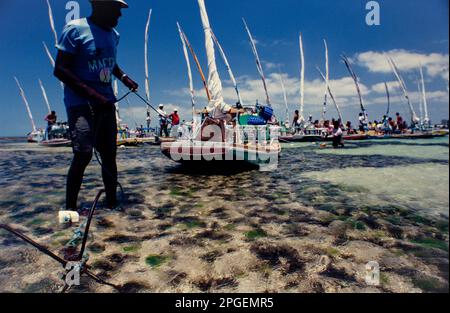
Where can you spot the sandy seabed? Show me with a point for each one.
(310, 226)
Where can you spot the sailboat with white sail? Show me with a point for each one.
(217, 138)
(36, 135)
(58, 134)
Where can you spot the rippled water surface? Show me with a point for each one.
(311, 225)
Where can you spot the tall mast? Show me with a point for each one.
(24, 98)
(401, 82)
(227, 64)
(302, 79)
(199, 67)
(331, 96)
(188, 64)
(44, 94)
(285, 98)
(424, 95)
(388, 99)
(258, 62)
(355, 79)
(52, 22)
(327, 79)
(147, 79)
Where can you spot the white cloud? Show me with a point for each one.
(435, 64)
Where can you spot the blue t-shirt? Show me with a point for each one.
(95, 51)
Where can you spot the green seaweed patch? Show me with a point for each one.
(131, 249)
(431, 243)
(155, 261)
(179, 192)
(420, 219)
(230, 227)
(358, 225)
(442, 226)
(58, 234)
(395, 220)
(193, 224)
(384, 278)
(429, 284)
(36, 221)
(255, 233)
(332, 251)
(358, 189)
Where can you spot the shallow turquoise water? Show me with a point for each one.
(392, 194)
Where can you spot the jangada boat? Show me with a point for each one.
(58, 136)
(249, 139)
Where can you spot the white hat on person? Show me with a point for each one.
(121, 2)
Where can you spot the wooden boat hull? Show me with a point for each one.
(301, 138)
(54, 143)
(187, 152)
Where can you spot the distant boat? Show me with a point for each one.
(199, 148)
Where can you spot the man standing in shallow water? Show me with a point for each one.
(85, 63)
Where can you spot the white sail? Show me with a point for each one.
(419, 89)
(227, 64)
(388, 99)
(52, 60)
(50, 57)
(147, 79)
(327, 79)
(426, 119)
(52, 22)
(44, 94)
(214, 83)
(188, 64)
(285, 98)
(401, 82)
(331, 96)
(356, 81)
(22, 94)
(302, 79)
(258, 62)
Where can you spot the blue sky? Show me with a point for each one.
(412, 32)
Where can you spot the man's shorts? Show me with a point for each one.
(91, 128)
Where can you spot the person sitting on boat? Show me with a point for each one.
(349, 128)
(400, 123)
(337, 135)
(163, 122)
(362, 122)
(392, 124)
(296, 121)
(175, 121)
(86, 63)
(51, 119)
